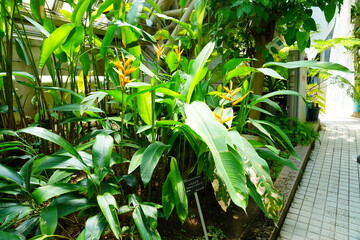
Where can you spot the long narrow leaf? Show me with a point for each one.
(48, 220)
(10, 175)
(52, 137)
(150, 159)
(44, 193)
(108, 206)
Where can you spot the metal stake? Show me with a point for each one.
(201, 215)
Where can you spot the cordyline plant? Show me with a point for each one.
(122, 139)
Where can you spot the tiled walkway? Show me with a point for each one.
(327, 202)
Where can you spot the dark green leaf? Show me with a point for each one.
(48, 220)
(329, 11)
(108, 206)
(150, 159)
(44, 193)
(9, 174)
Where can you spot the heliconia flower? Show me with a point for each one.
(230, 94)
(220, 119)
(159, 50)
(124, 69)
(178, 53)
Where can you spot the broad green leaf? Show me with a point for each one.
(143, 223)
(167, 197)
(52, 137)
(70, 203)
(276, 93)
(108, 206)
(197, 70)
(38, 9)
(234, 63)
(311, 64)
(94, 227)
(329, 10)
(54, 41)
(11, 213)
(44, 193)
(48, 220)
(134, 13)
(200, 119)
(10, 175)
(27, 226)
(240, 71)
(269, 155)
(58, 162)
(270, 72)
(284, 139)
(101, 151)
(37, 25)
(171, 61)
(61, 175)
(310, 24)
(150, 159)
(109, 36)
(26, 75)
(79, 11)
(102, 7)
(11, 236)
(302, 39)
(145, 107)
(260, 128)
(179, 192)
(90, 100)
(72, 45)
(259, 174)
(21, 51)
(136, 160)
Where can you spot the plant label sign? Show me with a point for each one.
(193, 185)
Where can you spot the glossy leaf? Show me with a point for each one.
(108, 206)
(240, 71)
(11, 236)
(94, 227)
(310, 64)
(72, 45)
(270, 72)
(145, 107)
(9, 174)
(143, 223)
(46, 192)
(102, 150)
(79, 11)
(329, 11)
(70, 203)
(52, 137)
(54, 41)
(48, 220)
(200, 118)
(302, 39)
(136, 160)
(102, 7)
(150, 159)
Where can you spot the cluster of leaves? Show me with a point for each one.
(299, 133)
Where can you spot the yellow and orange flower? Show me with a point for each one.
(124, 69)
(230, 94)
(219, 117)
(159, 50)
(178, 53)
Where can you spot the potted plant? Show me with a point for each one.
(315, 101)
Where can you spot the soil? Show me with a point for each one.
(234, 224)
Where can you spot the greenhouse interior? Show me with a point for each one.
(179, 119)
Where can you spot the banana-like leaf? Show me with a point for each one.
(48, 220)
(174, 192)
(310, 64)
(276, 93)
(259, 174)
(10, 175)
(52, 137)
(54, 41)
(73, 44)
(150, 159)
(229, 168)
(270, 155)
(44, 193)
(108, 206)
(197, 70)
